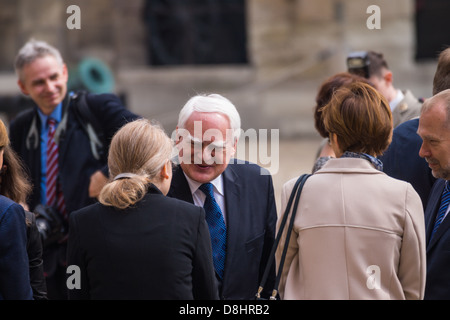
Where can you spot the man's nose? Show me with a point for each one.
(49, 85)
(199, 154)
(207, 156)
(424, 151)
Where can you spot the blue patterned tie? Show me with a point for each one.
(217, 228)
(445, 200)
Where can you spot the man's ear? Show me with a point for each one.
(178, 137)
(65, 73)
(388, 77)
(22, 87)
(233, 152)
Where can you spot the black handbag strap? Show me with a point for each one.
(295, 194)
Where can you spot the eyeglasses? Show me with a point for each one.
(358, 63)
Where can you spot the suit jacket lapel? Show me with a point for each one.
(179, 187)
(232, 189)
(434, 202)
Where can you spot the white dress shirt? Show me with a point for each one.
(199, 197)
(399, 97)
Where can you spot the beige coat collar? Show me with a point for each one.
(348, 165)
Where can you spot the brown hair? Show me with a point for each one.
(361, 118)
(326, 91)
(377, 63)
(15, 183)
(142, 149)
(441, 79)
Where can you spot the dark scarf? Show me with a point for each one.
(374, 161)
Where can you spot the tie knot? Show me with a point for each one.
(447, 186)
(207, 189)
(51, 122)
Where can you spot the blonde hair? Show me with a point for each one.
(4, 138)
(139, 148)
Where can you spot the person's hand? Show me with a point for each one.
(98, 181)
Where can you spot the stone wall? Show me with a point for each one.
(293, 45)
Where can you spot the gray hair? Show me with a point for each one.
(33, 50)
(441, 97)
(214, 103)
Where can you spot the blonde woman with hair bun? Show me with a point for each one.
(140, 155)
(136, 243)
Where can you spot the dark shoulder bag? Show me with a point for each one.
(295, 194)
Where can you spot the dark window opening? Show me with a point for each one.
(196, 32)
(432, 28)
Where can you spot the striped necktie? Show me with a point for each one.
(53, 193)
(445, 200)
(217, 228)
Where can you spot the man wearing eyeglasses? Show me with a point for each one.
(238, 196)
(373, 66)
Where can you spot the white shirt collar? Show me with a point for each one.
(399, 97)
(217, 183)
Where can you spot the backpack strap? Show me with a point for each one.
(32, 139)
(90, 124)
(84, 117)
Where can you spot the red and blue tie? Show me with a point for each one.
(53, 192)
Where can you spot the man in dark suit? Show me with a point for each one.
(52, 131)
(207, 134)
(402, 161)
(434, 130)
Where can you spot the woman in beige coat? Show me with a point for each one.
(358, 234)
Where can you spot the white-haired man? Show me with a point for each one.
(240, 194)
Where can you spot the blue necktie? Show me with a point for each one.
(445, 200)
(217, 228)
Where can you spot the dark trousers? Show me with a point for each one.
(55, 271)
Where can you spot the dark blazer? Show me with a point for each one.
(34, 249)
(251, 219)
(76, 162)
(438, 249)
(158, 249)
(402, 161)
(14, 268)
